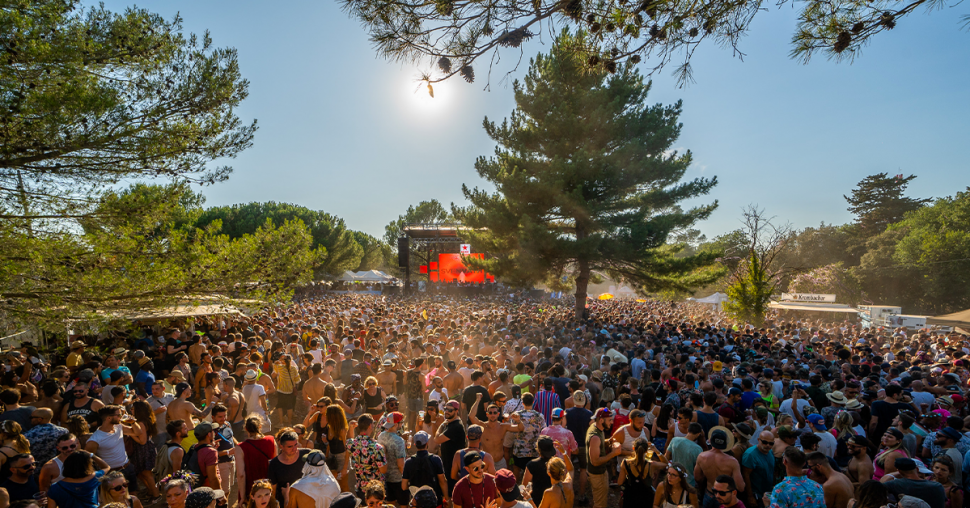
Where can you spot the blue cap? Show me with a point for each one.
(817, 421)
(735, 391)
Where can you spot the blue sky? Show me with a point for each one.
(344, 131)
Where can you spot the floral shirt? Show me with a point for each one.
(797, 492)
(367, 457)
(525, 441)
(43, 441)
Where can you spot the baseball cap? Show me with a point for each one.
(718, 366)
(472, 457)
(343, 500)
(579, 398)
(817, 420)
(951, 433)
(423, 497)
(453, 404)
(316, 458)
(202, 430)
(474, 432)
(558, 413)
(506, 485)
(393, 419)
(603, 412)
(202, 497)
(422, 438)
(735, 391)
(719, 438)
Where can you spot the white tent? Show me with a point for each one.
(348, 276)
(372, 276)
(716, 299)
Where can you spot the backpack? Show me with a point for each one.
(191, 463)
(163, 464)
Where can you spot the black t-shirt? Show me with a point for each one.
(540, 478)
(283, 475)
(931, 492)
(418, 474)
(21, 491)
(455, 432)
(886, 412)
(577, 422)
(471, 393)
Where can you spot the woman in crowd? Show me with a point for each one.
(842, 430)
(286, 375)
(560, 494)
(374, 495)
(256, 452)
(335, 435)
(892, 449)
(210, 384)
(302, 437)
(679, 429)
(12, 439)
(430, 423)
(661, 426)
(143, 451)
(872, 494)
(78, 426)
(114, 489)
(79, 488)
(261, 495)
(176, 490)
(636, 474)
(943, 472)
(373, 398)
(674, 490)
(765, 392)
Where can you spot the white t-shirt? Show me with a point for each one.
(828, 444)
(111, 446)
(317, 355)
(439, 396)
(252, 393)
(786, 407)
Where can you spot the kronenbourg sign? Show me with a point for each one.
(807, 297)
(466, 249)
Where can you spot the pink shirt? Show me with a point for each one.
(563, 435)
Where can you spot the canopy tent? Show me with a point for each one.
(348, 276)
(716, 299)
(821, 307)
(372, 276)
(955, 319)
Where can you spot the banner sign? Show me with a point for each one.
(807, 297)
(451, 268)
(465, 249)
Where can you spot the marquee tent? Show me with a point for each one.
(372, 276)
(716, 300)
(961, 318)
(348, 276)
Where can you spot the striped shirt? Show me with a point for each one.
(286, 378)
(545, 402)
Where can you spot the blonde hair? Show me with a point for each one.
(104, 492)
(371, 379)
(12, 430)
(557, 469)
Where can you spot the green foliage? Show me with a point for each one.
(142, 254)
(586, 181)
(879, 200)
(450, 36)
(342, 252)
(750, 291)
(923, 261)
(377, 254)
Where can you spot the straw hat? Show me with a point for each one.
(837, 397)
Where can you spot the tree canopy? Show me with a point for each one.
(454, 37)
(585, 180)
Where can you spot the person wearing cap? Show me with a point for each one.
(559, 433)
(255, 396)
(204, 497)
(828, 444)
(395, 452)
(450, 437)
(796, 490)
(600, 452)
(317, 487)
(909, 479)
(837, 487)
(75, 360)
(508, 488)
(729, 410)
(474, 436)
(425, 469)
(478, 488)
(947, 439)
(714, 462)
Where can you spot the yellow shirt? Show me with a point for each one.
(286, 379)
(74, 360)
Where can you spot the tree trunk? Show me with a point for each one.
(582, 283)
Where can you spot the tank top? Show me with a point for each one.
(677, 432)
(683, 500)
(83, 411)
(707, 420)
(636, 488)
(373, 402)
(628, 439)
(60, 470)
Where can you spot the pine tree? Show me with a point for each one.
(878, 201)
(586, 180)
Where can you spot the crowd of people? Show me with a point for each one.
(337, 401)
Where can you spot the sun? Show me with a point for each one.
(420, 100)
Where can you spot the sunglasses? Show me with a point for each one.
(476, 468)
(81, 392)
(493, 412)
(721, 492)
(768, 443)
(320, 406)
(27, 467)
(68, 448)
(120, 487)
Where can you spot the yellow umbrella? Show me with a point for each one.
(605, 296)
(641, 300)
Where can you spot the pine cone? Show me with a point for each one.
(635, 59)
(595, 27)
(444, 64)
(610, 66)
(574, 9)
(694, 32)
(888, 20)
(593, 60)
(610, 27)
(468, 73)
(614, 52)
(654, 30)
(591, 18)
(515, 38)
(445, 7)
(842, 42)
(858, 27)
(709, 25)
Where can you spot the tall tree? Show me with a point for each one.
(585, 180)
(759, 274)
(342, 250)
(879, 200)
(455, 35)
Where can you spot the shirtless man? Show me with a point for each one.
(837, 486)
(715, 462)
(502, 384)
(327, 375)
(454, 382)
(313, 387)
(195, 352)
(860, 465)
(493, 434)
(233, 400)
(182, 409)
(386, 378)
